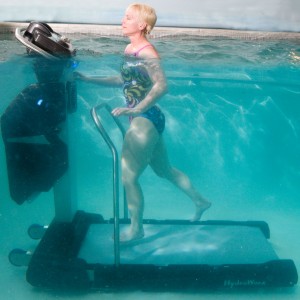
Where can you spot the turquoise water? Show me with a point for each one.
(233, 125)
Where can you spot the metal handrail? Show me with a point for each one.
(114, 152)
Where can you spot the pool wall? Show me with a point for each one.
(267, 15)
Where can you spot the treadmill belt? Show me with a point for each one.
(180, 244)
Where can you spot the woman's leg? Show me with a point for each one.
(140, 140)
(161, 166)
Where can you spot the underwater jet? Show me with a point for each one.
(33, 124)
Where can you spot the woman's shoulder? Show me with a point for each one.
(144, 51)
(149, 52)
(127, 48)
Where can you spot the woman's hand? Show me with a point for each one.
(125, 111)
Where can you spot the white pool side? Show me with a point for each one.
(159, 32)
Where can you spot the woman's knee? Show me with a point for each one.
(129, 177)
(163, 172)
(132, 168)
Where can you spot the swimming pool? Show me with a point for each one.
(232, 125)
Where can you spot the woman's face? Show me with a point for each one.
(131, 23)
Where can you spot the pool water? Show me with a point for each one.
(232, 124)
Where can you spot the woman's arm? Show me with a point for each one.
(107, 81)
(158, 89)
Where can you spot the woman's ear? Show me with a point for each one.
(142, 26)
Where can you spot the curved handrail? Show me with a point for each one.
(114, 152)
(107, 138)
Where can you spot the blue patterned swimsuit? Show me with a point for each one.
(137, 84)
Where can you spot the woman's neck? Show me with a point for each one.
(137, 41)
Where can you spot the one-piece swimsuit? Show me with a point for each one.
(137, 84)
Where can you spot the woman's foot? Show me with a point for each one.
(201, 207)
(131, 235)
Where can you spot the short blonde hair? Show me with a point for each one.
(147, 14)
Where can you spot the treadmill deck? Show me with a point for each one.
(165, 244)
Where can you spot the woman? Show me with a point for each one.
(143, 85)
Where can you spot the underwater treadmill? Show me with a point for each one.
(81, 250)
(174, 255)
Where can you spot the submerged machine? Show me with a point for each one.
(77, 251)
(34, 125)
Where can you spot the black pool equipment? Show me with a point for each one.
(40, 38)
(82, 251)
(34, 125)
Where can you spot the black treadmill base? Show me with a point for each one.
(193, 277)
(55, 265)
